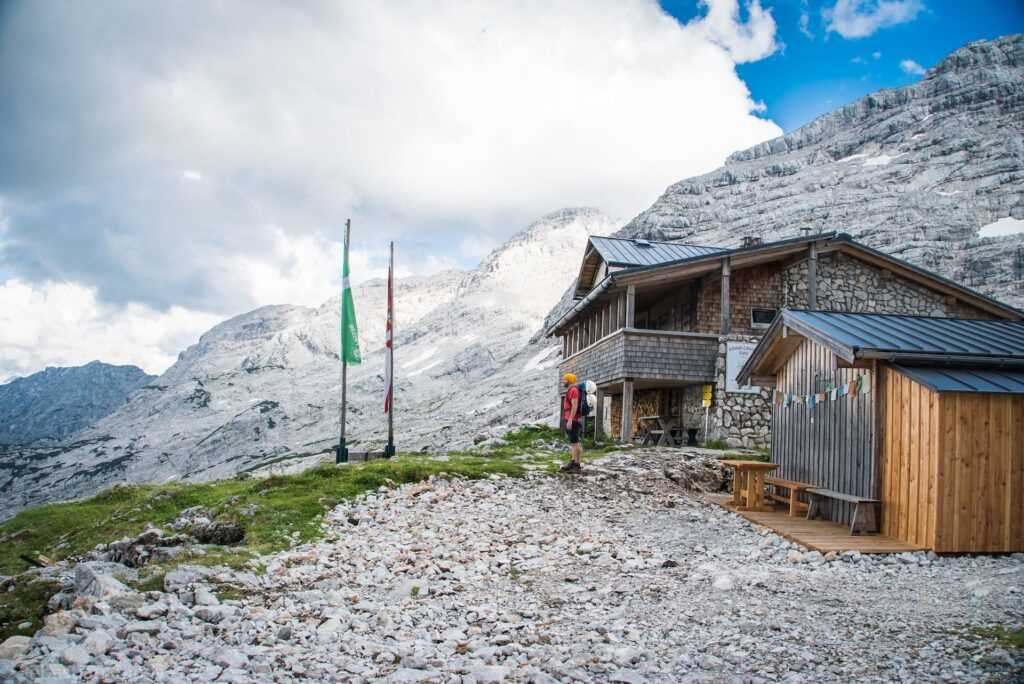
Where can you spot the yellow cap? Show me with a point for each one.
(569, 378)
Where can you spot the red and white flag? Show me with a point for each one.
(389, 349)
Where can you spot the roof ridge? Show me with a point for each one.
(659, 242)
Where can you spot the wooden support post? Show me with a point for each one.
(812, 277)
(726, 312)
(620, 312)
(599, 417)
(626, 432)
(630, 308)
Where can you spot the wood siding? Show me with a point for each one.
(829, 445)
(648, 355)
(952, 468)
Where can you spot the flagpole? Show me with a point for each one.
(389, 451)
(342, 454)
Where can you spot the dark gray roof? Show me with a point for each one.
(637, 252)
(913, 335)
(987, 380)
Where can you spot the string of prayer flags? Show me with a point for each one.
(860, 385)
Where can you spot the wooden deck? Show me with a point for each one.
(817, 535)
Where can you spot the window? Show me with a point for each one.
(761, 318)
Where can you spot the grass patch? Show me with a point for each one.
(26, 604)
(1004, 636)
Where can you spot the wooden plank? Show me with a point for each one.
(1015, 483)
(818, 535)
(946, 504)
(724, 303)
(981, 456)
(1000, 462)
(913, 462)
(931, 471)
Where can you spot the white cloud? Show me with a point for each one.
(64, 324)
(858, 60)
(252, 131)
(912, 67)
(805, 24)
(876, 55)
(860, 18)
(746, 41)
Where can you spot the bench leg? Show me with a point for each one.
(793, 510)
(864, 519)
(854, 528)
(812, 507)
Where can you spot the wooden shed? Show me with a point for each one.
(926, 415)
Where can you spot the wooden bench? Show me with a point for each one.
(796, 506)
(863, 518)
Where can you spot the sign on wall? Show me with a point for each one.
(736, 354)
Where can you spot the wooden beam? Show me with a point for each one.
(812, 276)
(599, 416)
(630, 306)
(726, 312)
(626, 432)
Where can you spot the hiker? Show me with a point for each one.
(573, 423)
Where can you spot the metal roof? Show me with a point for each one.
(639, 252)
(987, 380)
(914, 335)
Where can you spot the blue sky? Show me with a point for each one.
(816, 73)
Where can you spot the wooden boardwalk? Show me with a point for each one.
(817, 535)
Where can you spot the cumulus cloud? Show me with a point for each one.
(746, 41)
(203, 157)
(860, 18)
(912, 67)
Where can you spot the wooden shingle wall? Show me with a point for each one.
(645, 354)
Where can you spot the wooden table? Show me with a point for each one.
(665, 424)
(748, 484)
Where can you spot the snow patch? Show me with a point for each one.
(537, 359)
(421, 358)
(852, 157)
(948, 194)
(1004, 226)
(882, 159)
(422, 370)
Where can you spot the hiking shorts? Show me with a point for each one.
(574, 432)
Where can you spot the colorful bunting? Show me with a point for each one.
(862, 385)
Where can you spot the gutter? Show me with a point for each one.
(580, 305)
(942, 359)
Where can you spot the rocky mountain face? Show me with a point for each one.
(261, 390)
(923, 172)
(57, 402)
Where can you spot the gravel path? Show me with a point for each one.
(617, 576)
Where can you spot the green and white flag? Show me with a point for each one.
(349, 329)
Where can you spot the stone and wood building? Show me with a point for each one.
(934, 438)
(654, 322)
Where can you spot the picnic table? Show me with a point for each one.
(658, 429)
(748, 484)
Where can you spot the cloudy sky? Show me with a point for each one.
(165, 165)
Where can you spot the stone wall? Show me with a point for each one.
(849, 284)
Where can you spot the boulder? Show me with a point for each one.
(14, 647)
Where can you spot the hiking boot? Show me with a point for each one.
(572, 467)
